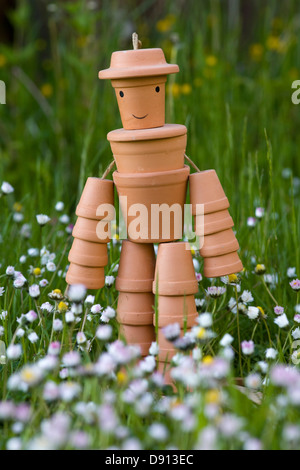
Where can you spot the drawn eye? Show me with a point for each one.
(157, 89)
(121, 94)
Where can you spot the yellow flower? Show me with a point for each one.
(121, 377)
(56, 295)
(17, 207)
(165, 24)
(260, 269)
(213, 397)
(201, 333)
(47, 90)
(2, 60)
(186, 89)
(176, 402)
(37, 272)
(211, 60)
(262, 311)
(274, 43)
(175, 89)
(207, 360)
(62, 307)
(256, 52)
(27, 375)
(116, 236)
(233, 279)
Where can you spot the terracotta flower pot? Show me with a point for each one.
(213, 223)
(142, 335)
(165, 370)
(135, 308)
(218, 244)
(206, 189)
(139, 77)
(95, 193)
(136, 267)
(91, 278)
(88, 254)
(166, 355)
(149, 150)
(146, 195)
(141, 101)
(89, 229)
(187, 320)
(177, 309)
(174, 272)
(166, 349)
(222, 265)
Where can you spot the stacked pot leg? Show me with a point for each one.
(175, 285)
(136, 300)
(88, 255)
(213, 224)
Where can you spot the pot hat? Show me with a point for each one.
(138, 63)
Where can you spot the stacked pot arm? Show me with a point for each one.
(136, 300)
(213, 224)
(92, 231)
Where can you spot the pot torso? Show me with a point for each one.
(149, 150)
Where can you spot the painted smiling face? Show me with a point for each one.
(141, 101)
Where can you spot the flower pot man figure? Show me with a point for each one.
(151, 182)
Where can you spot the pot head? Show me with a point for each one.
(141, 101)
(139, 78)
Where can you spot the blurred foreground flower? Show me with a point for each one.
(6, 188)
(77, 293)
(247, 347)
(42, 219)
(295, 284)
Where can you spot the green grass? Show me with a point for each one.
(236, 103)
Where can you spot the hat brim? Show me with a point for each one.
(141, 71)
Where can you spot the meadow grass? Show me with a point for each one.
(233, 93)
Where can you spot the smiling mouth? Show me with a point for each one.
(137, 117)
